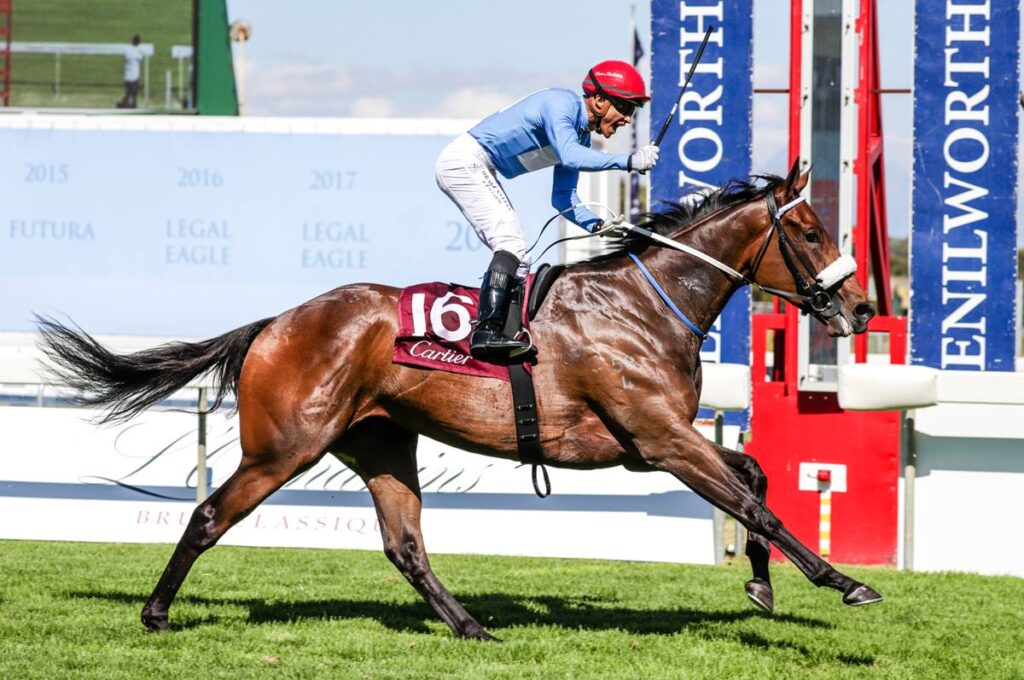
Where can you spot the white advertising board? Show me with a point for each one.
(63, 478)
(191, 225)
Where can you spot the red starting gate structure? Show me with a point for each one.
(833, 474)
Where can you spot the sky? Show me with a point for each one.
(466, 59)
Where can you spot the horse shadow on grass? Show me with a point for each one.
(497, 611)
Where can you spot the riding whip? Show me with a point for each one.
(693, 67)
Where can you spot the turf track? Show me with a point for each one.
(71, 610)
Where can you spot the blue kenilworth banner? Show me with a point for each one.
(963, 244)
(709, 140)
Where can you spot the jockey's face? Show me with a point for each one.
(605, 119)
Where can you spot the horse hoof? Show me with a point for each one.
(760, 593)
(155, 624)
(860, 594)
(481, 635)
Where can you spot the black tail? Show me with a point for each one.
(128, 384)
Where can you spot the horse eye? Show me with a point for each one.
(812, 237)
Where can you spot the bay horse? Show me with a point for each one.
(618, 381)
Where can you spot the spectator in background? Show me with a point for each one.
(133, 57)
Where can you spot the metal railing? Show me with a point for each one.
(88, 49)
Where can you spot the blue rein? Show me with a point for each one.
(667, 300)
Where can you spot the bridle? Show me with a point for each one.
(819, 297)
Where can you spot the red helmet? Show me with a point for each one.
(617, 79)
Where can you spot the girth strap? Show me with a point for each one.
(524, 410)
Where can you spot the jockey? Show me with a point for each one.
(548, 127)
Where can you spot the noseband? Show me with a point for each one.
(820, 295)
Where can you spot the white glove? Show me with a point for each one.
(644, 159)
(614, 227)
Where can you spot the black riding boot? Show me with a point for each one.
(488, 343)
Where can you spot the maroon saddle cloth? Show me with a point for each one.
(434, 325)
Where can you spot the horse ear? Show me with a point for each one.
(801, 181)
(789, 186)
(796, 181)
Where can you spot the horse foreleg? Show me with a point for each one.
(384, 455)
(249, 486)
(758, 549)
(695, 461)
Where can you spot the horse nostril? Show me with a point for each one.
(865, 311)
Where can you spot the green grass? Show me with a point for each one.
(71, 609)
(93, 81)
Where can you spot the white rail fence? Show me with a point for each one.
(58, 49)
(962, 462)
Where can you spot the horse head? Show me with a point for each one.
(798, 260)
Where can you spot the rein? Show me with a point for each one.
(819, 295)
(776, 214)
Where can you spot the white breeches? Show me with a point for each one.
(465, 173)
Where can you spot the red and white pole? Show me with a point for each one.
(824, 479)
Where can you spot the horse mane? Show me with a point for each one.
(677, 215)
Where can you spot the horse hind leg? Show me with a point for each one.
(706, 473)
(758, 549)
(255, 479)
(384, 456)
